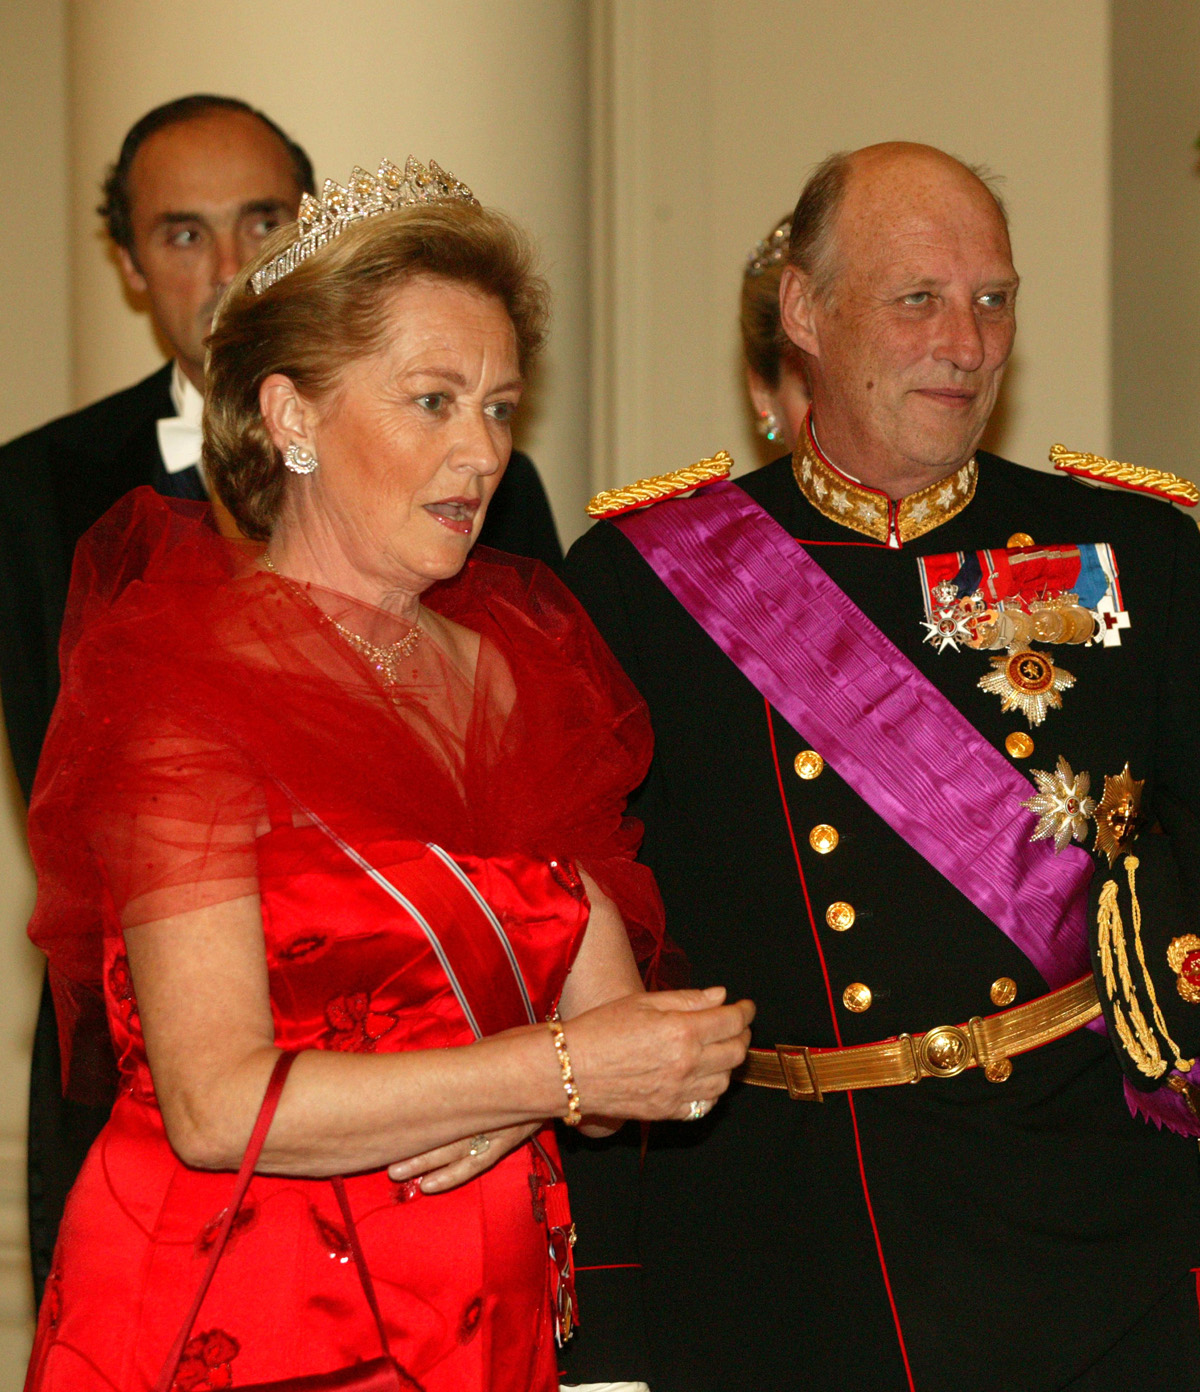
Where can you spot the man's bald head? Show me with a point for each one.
(900, 294)
(813, 247)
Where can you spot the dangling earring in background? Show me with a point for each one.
(301, 460)
(768, 426)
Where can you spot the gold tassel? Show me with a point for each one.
(1143, 1048)
(1131, 865)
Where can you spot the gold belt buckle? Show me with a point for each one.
(945, 1052)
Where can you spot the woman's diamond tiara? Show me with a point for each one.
(322, 219)
(771, 250)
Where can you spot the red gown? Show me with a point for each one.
(463, 1278)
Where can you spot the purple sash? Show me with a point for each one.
(882, 726)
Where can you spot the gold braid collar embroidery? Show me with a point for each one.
(868, 511)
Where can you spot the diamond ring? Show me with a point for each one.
(698, 1110)
(479, 1144)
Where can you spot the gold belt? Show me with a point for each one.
(944, 1052)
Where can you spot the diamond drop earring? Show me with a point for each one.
(299, 459)
(768, 426)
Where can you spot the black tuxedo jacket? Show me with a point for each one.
(55, 482)
(1019, 1236)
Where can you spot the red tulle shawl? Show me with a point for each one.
(193, 679)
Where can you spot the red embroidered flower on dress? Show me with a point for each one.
(52, 1299)
(354, 1028)
(206, 1360)
(330, 1236)
(303, 945)
(470, 1320)
(120, 986)
(244, 1218)
(567, 877)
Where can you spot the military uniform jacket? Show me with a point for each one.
(953, 1236)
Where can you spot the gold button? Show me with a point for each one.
(999, 1071)
(1004, 991)
(840, 916)
(823, 838)
(857, 997)
(1019, 745)
(809, 763)
(1020, 539)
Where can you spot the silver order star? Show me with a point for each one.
(947, 629)
(1062, 805)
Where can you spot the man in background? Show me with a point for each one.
(198, 185)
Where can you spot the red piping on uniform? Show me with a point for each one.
(612, 1266)
(1196, 1274)
(862, 1167)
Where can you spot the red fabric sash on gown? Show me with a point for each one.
(468, 939)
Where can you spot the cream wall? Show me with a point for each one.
(34, 384)
(1156, 234)
(716, 111)
(34, 276)
(494, 90)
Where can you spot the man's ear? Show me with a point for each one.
(796, 305)
(130, 274)
(289, 417)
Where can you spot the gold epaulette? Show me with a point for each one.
(614, 501)
(1156, 481)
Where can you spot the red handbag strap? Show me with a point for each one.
(339, 1188)
(266, 1114)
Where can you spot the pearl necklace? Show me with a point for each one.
(385, 660)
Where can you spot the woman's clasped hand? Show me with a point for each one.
(648, 1057)
(645, 1057)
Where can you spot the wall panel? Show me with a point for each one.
(1156, 234)
(720, 107)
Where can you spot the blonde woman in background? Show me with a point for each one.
(773, 374)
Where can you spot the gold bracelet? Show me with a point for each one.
(574, 1115)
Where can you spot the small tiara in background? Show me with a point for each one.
(322, 219)
(771, 250)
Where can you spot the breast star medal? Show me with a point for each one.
(1118, 816)
(1062, 805)
(1027, 681)
(1064, 808)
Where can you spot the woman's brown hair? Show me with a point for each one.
(329, 312)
